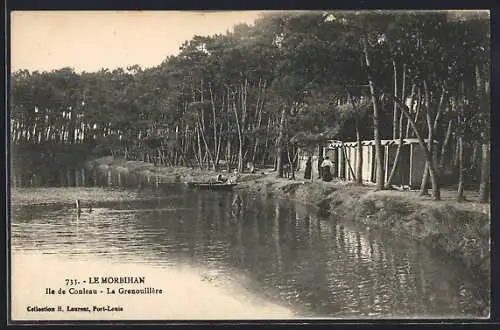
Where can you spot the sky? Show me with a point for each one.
(89, 41)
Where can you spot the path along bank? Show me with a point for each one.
(460, 229)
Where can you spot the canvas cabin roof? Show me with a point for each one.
(337, 143)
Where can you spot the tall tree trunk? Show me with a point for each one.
(259, 108)
(425, 176)
(254, 153)
(419, 104)
(208, 149)
(359, 163)
(460, 191)
(266, 143)
(444, 147)
(240, 139)
(279, 143)
(428, 155)
(200, 160)
(290, 161)
(440, 108)
(415, 109)
(176, 147)
(425, 179)
(229, 146)
(216, 152)
(473, 158)
(244, 92)
(484, 186)
(376, 123)
(72, 126)
(432, 127)
(455, 155)
(482, 92)
(359, 150)
(228, 154)
(460, 140)
(348, 163)
(388, 184)
(395, 110)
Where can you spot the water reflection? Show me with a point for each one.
(284, 252)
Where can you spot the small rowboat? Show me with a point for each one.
(212, 185)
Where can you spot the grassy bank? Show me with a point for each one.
(460, 229)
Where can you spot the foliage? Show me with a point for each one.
(226, 92)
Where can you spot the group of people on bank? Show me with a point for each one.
(325, 168)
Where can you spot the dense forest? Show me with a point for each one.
(260, 92)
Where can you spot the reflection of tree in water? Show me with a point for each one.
(403, 281)
(36, 174)
(329, 268)
(256, 229)
(195, 237)
(310, 271)
(277, 238)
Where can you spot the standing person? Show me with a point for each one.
(326, 166)
(78, 207)
(320, 161)
(308, 170)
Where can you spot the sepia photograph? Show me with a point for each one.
(249, 165)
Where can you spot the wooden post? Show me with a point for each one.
(355, 157)
(341, 163)
(374, 163)
(411, 166)
(347, 153)
(369, 153)
(352, 176)
(386, 162)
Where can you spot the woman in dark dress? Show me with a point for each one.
(320, 161)
(307, 172)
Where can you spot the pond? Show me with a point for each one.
(274, 259)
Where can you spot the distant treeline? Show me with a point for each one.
(291, 79)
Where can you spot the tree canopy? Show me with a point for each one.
(243, 96)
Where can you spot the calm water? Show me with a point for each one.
(281, 252)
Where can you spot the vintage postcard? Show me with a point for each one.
(245, 165)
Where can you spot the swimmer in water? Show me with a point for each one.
(78, 207)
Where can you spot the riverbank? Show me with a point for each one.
(460, 229)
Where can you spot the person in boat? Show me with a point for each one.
(221, 179)
(326, 166)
